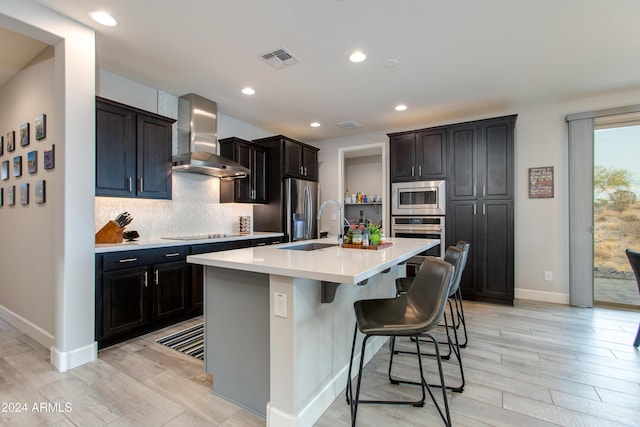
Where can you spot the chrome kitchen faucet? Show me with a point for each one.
(333, 202)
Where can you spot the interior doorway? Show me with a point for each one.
(616, 210)
(362, 169)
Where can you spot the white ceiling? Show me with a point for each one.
(456, 58)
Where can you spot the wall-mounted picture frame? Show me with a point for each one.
(17, 166)
(50, 157)
(11, 141)
(32, 162)
(11, 195)
(24, 193)
(24, 134)
(41, 192)
(1, 197)
(541, 182)
(41, 127)
(5, 170)
(1, 145)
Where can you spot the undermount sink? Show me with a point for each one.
(309, 246)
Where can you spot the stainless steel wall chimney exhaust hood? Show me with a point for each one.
(198, 140)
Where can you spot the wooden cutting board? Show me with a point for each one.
(370, 247)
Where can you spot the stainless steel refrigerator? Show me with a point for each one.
(292, 209)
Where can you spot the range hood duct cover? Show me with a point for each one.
(198, 140)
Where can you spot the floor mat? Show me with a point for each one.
(188, 341)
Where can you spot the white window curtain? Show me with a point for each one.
(581, 128)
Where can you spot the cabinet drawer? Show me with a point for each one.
(118, 260)
(171, 254)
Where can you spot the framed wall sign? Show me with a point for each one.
(541, 182)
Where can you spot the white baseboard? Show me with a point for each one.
(554, 297)
(27, 327)
(314, 410)
(65, 360)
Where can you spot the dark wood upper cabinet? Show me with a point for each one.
(290, 158)
(418, 155)
(253, 188)
(133, 152)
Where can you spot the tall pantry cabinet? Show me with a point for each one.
(480, 207)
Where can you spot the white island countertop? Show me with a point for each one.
(332, 264)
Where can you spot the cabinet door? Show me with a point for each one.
(462, 224)
(496, 165)
(497, 249)
(123, 297)
(169, 289)
(260, 175)
(243, 154)
(310, 163)
(463, 168)
(154, 158)
(402, 157)
(115, 151)
(292, 159)
(431, 155)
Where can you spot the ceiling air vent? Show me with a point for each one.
(280, 58)
(352, 124)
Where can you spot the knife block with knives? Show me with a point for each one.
(113, 231)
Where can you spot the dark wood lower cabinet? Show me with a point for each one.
(123, 296)
(144, 290)
(169, 289)
(488, 226)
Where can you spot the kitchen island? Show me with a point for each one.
(271, 343)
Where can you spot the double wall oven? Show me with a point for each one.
(418, 212)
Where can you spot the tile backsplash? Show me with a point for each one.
(195, 209)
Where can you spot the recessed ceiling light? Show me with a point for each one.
(248, 91)
(103, 18)
(357, 56)
(401, 107)
(315, 125)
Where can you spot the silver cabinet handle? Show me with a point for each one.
(141, 186)
(484, 209)
(305, 171)
(130, 184)
(156, 277)
(420, 170)
(172, 254)
(474, 209)
(301, 170)
(412, 169)
(474, 191)
(484, 190)
(127, 260)
(146, 279)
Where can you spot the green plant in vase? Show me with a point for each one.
(374, 234)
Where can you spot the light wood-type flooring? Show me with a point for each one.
(533, 364)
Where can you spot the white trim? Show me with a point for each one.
(63, 361)
(554, 297)
(27, 327)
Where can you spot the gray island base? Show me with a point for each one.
(271, 344)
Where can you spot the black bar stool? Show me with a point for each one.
(455, 257)
(413, 314)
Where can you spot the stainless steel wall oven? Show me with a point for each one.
(423, 227)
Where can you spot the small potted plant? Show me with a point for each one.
(374, 234)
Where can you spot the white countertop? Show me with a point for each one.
(161, 242)
(334, 264)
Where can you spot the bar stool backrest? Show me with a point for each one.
(455, 256)
(430, 290)
(634, 260)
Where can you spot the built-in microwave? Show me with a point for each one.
(418, 198)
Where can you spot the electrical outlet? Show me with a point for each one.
(548, 276)
(280, 304)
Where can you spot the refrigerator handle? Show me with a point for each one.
(307, 213)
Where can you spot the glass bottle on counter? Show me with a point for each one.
(365, 236)
(361, 219)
